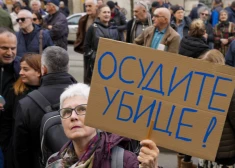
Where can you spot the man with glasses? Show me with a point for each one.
(160, 35)
(31, 38)
(9, 73)
(180, 22)
(141, 21)
(204, 14)
(54, 80)
(57, 24)
(5, 18)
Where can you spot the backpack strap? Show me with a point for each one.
(41, 101)
(117, 157)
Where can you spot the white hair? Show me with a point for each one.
(79, 89)
(29, 14)
(35, 1)
(95, 1)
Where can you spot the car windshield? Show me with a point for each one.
(74, 20)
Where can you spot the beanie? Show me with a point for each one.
(55, 2)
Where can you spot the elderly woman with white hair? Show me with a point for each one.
(88, 147)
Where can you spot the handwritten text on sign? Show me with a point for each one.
(188, 99)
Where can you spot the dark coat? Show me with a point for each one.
(209, 31)
(231, 14)
(226, 151)
(186, 27)
(102, 158)
(26, 138)
(59, 32)
(194, 12)
(193, 47)
(65, 11)
(32, 44)
(128, 31)
(95, 31)
(81, 34)
(230, 55)
(119, 20)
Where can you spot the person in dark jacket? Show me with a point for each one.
(28, 81)
(204, 13)
(117, 18)
(138, 24)
(57, 24)
(231, 12)
(100, 28)
(154, 6)
(230, 55)
(194, 44)
(84, 23)
(64, 9)
(180, 22)
(55, 78)
(28, 38)
(36, 7)
(93, 147)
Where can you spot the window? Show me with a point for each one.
(74, 20)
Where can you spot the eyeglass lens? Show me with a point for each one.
(67, 112)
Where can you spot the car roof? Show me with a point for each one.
(76, 14)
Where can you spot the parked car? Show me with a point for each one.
(73, 25)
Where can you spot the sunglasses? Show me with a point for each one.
(67, 112)
(204, 14)
(35, 19)
(22, 19)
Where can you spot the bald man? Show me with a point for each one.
(160, 35)
(141, 21)
(84, 23)
(28, 38)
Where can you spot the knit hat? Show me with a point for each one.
(175, 8)
(111, 4)
(55, 2)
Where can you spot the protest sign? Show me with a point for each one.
(187, 98)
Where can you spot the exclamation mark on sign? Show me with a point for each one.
(209, 130)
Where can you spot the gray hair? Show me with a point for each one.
(55, 59)
(35, 1)
(202, 9)
(79, 89)
(95, 1)
(223, 11)
(27, 12)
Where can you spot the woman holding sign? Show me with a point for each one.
(91, 148)
(100, 28)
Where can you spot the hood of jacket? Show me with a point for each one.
(98, 22)
(192, 46)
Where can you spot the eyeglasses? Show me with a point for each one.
(7, 48)
(67, 112)
(204, 14)
(22, 19)
(35, 19)
(157, 16)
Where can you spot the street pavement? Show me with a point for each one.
(167, 158)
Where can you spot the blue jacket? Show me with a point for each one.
(229, 57)
(231, 14)
(31, 44)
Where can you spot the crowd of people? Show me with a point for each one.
(34, 78)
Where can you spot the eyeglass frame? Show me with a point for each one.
(204, 14)
(35, 19)
(73, 109)
(22, 19)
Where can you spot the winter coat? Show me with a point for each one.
(7, 124)
(223, 30)
(59, 32)
(5, 19)
(193, 46)
(209, 31)
(226, 151)
(171, 38)
(231, 14)
(65, 11)
(230, 55)
(119, 20)
(32, 44)
(187, 21)
(26, 138)
(81, 34)
(16, 25)
(95, 31)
